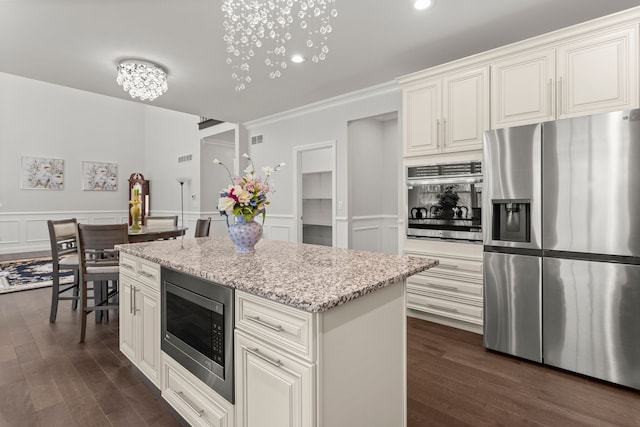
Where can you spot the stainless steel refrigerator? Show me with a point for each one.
(562, 244)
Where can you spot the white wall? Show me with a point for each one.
(213, 179)
(41, 119)
(374, 156)
(169, 135)
(45, 120)
(314, 124)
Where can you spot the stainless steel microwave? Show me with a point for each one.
(444, 201)
(197, 328)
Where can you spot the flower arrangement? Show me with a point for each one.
(449, 197)
(247, 195)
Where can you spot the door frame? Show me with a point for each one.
(297, 186)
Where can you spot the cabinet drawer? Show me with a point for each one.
(145, 271)
(451, 309)
(285, 327)
(450, 267)
(187, 397)
(465, 289)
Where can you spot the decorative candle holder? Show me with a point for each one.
(135, 215)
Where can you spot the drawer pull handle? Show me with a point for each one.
(256, 352)
(445, 287)
(199, 412)
(259, 321)
(437, 307)
(145, 274)
(133, 296)
(128, 267)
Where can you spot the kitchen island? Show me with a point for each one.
(319, 338)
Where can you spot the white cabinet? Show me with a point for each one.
(594, 73)
(195, 401)
(275, 355)
(452, 292)
(140, 314)
(273, 390)
(598, 73)
(345, 366)
(446, 114)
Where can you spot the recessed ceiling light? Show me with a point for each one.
(297, 58)
(422, 4)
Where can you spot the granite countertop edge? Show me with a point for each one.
(272, 291)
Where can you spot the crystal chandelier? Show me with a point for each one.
(271, 25)
(142, 79)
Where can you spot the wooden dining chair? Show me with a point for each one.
(99, 264)
(202, 227)
(64, 257)
(161, 221)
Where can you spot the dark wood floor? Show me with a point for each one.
(48, 379)
(453, 381)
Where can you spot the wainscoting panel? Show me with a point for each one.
(280, 232)
(9, 232)
(37, 231)
(279, 227)
(366, 238)
(105, 220)
(375, 233)
(28, 232)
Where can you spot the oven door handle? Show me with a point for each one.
(256, 352)
(261, 322)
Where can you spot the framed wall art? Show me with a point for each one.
(42, 173)
(99, 176)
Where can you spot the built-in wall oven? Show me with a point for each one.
(197, 328)
(444, 201)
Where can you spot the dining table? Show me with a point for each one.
(150, 233)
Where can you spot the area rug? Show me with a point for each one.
(22, 275)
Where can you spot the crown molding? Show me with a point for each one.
(358, 95)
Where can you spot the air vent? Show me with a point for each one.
(185, 158)
(445, 169)
(256, 139)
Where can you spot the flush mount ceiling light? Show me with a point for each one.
(422, 4)
(272, 26)
(142, 79)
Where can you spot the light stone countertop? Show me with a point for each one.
(310, 277)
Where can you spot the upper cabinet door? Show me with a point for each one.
(598, 73)
(523, 89)
(466, 110)
(422, 117)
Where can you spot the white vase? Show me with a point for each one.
(245, 234)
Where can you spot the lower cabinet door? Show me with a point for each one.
(140, 327)
(127, 321)
(147, 315)
(272, 389)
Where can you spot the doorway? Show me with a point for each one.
(315, 190)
